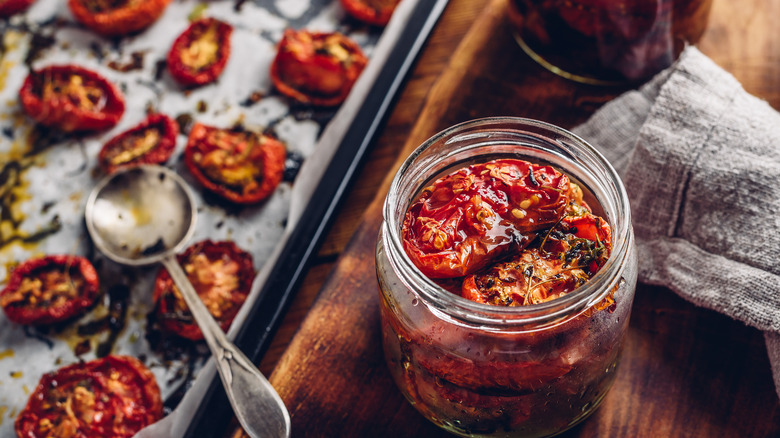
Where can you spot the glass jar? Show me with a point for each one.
(607, 41)
(481, 370)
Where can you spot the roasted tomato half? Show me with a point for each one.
(72, 99)
(567, 256)
(221, 274)
(317, 68)
(50, 289)
(200, 53)
(115, 396)
(11, 7)
(241, 166)
(467, 219)
(117, 17)
(376, 12)
(151, 142)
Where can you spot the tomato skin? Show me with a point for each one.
(167, 128)
(316, 68)
(11, 7)
(188, 75)
(271, 153)
(467, 219)
(115, 396)
(22, 311)
(377, 16)
(56, 110)
(123, 20)
(172, 313)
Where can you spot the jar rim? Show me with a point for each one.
(547, 313)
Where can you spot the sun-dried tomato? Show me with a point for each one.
(71, 98)
(11, 7)
(317, 68)
(466, 220)
(117, 17)
(221, 274)
(50, 289)
(376, 12)
(565, 258)
(240, 166)
(201, 52)
(151, 142)
(115, 396)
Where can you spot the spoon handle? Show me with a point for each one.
(255, 402)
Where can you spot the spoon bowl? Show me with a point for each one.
(139, 215)
(144, 215)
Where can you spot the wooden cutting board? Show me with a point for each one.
(685, 371)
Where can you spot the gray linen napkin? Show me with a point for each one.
(700, 158)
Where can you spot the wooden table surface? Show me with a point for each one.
(686, 371)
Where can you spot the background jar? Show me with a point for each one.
(482, 370)
(607, 41)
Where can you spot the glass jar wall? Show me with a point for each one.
(482, 370)
(607, 41)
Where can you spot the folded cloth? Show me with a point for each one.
(700, 158)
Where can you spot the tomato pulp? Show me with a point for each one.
(115, 396)
(151, 142)
(221, 274)
(50, 289)
(113, 18)
(72, 99)
(240, 166)
(199, 55)
(317, 68)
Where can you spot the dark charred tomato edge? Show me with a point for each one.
(149, 406)
(71, 308)
(11, 7)
(132, 17)
(290, 58)
(367, 14)
(159, 154)
(186, 75)
(62, 113)
(163, 286)
(274, 155)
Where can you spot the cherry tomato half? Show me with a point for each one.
(376, 12)
(200, 53)
(71, 98)
(566, 257)
(117, 17)
(115, 396)
(317, 68)
(151, 142)
(50, 289)
(221, 274)
(11, 7)
(469, 218)
(240, 166)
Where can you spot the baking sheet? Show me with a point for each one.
(46, 178)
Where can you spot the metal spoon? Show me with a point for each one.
(145, 215)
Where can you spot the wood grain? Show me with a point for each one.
(685, 371)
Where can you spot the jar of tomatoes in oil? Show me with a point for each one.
(507, 270)
(607, 41)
